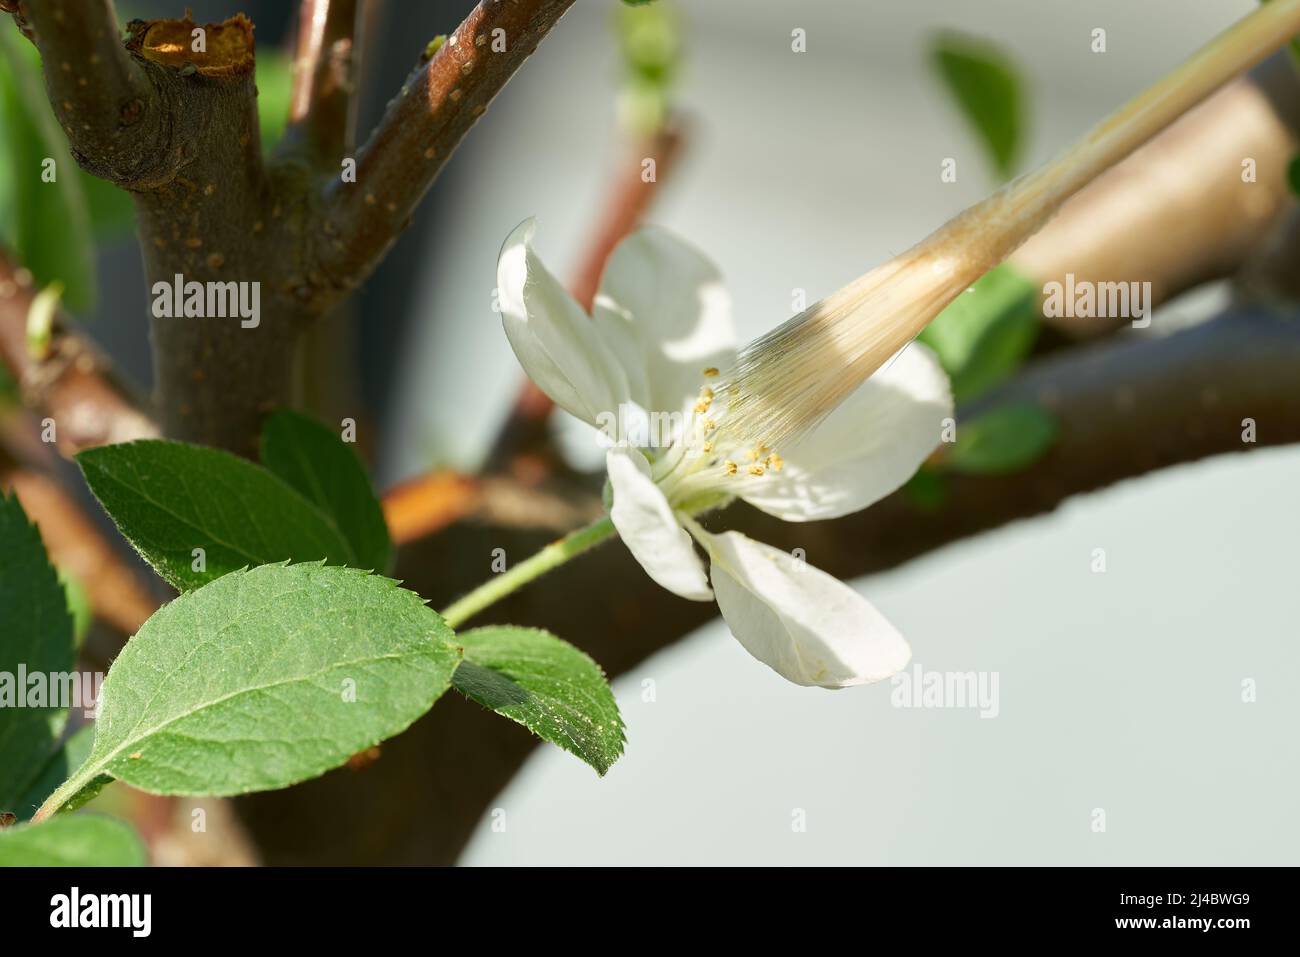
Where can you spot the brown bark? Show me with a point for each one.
(113, 119)
(219, 216)
(1178, 213)
(322, 110)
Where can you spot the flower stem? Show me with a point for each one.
(552, 556)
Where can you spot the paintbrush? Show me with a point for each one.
(786, 381)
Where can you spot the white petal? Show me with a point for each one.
(866, 448)
(648, 527)
(555, 341)
(806, 625)
(667, 298)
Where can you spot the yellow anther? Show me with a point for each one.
(709, 425)
(751, 455)
(710, 372)
(708, 447)
(729, 466)
(706, 393)
(703, 405)
(775, 462)
(756, 470)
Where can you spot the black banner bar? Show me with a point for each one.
(582, 906)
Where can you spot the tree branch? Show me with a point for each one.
(71, 382)
(424, 123)
(172, 116)
(1126, 407)
(220, 218)
(1186, 187)
(1271, 275)
(105, 104)
(322, 111)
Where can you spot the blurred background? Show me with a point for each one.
(1119, 691)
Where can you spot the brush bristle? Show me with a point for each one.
(788, 380)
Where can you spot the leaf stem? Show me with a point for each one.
(552, 556)
(62, 794)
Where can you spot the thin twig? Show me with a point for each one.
(70, 382)
(322, 105)
(424, 123)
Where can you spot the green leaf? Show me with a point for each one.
(112, 213)
(1004, 439)
(985, 334)
(274, 84)
(9, 396)
(86, 793)
(649, 39)
(650, 43)
(40, 319)
(264, 678)
(50, 223)
(1293, 174)
(79, 605)
(545, 684)
(927, 489)
(169, 498)
(60, 766)
(988, 89)
(35, 636)
(313, 459)
(86, 840)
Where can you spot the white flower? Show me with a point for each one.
(658, 339)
